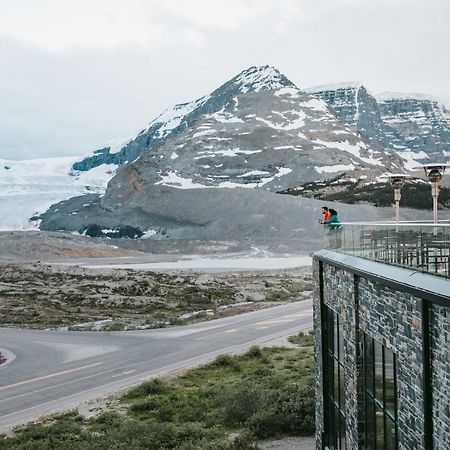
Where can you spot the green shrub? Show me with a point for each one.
(240, 400)
(108, 418)
(290, 411)
(227, 361)
(160, 407)
(254, 352)
(152, 387)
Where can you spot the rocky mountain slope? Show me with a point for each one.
(416, 127)
(255, 216)
(422, 121)
(176, 119)
(212, 178)
(268, 140)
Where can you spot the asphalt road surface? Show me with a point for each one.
(55, 371)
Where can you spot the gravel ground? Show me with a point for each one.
(290, 443)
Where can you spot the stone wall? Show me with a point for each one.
(440, 339)
(394, 319)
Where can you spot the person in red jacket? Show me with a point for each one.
(326, 214)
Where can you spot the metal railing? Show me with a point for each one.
(422, 246)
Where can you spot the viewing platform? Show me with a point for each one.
(382, 328)
(424, 247)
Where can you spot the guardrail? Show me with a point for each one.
(421, 246)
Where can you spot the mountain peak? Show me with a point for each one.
(256, 79)
(174, 120)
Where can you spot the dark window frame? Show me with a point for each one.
(334, 380)
(373, 403)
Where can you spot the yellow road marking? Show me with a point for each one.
(52, 375)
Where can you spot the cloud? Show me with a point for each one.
(56, 25)
(77, 74)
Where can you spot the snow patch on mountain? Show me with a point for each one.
(413, 159)
(354, 149)
(288, 91)
(173, 179)
(335, 168)
(171, 118)
(287, 124)
(383, 96)
(227, 152)
(333, 87)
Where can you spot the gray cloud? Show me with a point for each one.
(67, 87)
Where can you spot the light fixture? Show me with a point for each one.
(434, 173)
(397, 180)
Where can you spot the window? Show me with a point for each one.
(334, 385)
(380, 398)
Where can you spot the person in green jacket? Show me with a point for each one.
(334, 232)
(333, 222)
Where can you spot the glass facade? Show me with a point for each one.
(334, 394)
(380, 386)
(378, 389)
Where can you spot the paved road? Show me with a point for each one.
(54, 371)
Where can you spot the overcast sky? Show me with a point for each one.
(79, 74)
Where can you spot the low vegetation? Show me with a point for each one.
(229, 404)
(42, 296)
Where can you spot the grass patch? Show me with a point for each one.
(303, 339)
(225, 405)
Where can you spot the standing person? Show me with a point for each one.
(335, 229)
(325, 214)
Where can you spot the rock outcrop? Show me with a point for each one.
(416, 127)
(422, 121)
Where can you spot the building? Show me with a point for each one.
(382, 330)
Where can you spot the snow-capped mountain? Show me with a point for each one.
(176, 119)
(28, 188)
(417, 127)
(273, 140)
(269, 140)
(255, 131)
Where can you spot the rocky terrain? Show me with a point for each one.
(253, 216)
(415, 126)
(268, 140)
(358, 109)
(422, 121)
(35, 245)
(53, 296)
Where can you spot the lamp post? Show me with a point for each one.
(397, 180)
(434, 173)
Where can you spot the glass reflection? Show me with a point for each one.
(378, 361)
